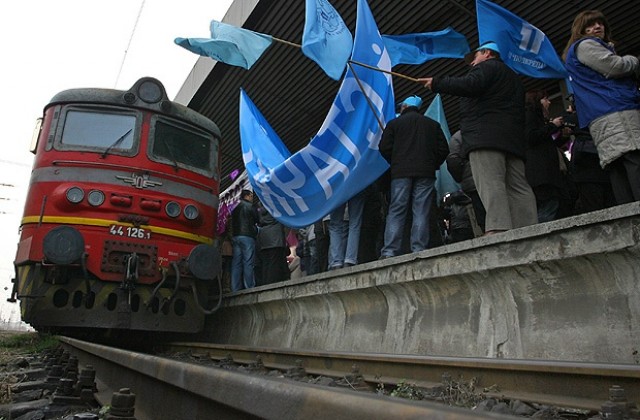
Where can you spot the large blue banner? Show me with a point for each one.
(343, 158)
(523, 47)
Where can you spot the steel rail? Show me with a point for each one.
(170, 389)
(558, 383)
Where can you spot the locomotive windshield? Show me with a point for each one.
(182, 146)
(109, 132)
(115, 131)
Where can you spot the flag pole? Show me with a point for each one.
(292, 44)
(413, 79)
(366, 96)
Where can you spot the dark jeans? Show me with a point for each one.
(594, 196)
(242, 275)
(625, 177)
(312, 251)
(322, 245)
(274, 265)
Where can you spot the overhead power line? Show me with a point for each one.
(124, 57)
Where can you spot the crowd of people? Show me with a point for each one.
(516, 165)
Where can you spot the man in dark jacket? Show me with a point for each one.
(273, 249)
(492, 125)
(415, 147)
(244, 220)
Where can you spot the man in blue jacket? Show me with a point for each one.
(492, 125)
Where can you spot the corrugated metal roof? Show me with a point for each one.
(294, 94)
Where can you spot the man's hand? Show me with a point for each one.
(427, 81)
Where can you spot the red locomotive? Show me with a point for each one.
(118, 226)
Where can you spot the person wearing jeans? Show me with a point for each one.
(244, 220)
(344, 235)
(416, 193)
(415, 147)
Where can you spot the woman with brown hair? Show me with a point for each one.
(607, 100)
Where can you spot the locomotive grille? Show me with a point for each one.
(115, 254)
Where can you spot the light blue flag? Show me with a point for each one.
(444, 181)
(343, 158)
(523, 47)
(326, 39)
(229, 44)
(421, 47)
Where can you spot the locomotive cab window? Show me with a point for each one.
(182, 146)
(36, 136)
(102, 131)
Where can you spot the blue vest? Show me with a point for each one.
(595, 94)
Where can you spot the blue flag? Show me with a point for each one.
(444, 180)
(343, 158)
(421, 47)
(523, 47)
(229, 44)
(326, 39)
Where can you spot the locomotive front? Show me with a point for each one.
(119, 221)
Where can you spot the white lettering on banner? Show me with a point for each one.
(527, 61)
(288, 187)
(261, 179)
(323, 175)
(344, 95)
(526, 31)
(268, 197)
(248, 156)
(346, 141)
(373, 137)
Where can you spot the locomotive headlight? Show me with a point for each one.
(150, 92)
(75, 195)
(173, 209)
(63, 245)
(95, 198)
(191, 212)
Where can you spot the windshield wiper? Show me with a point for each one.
(115, 143)
(170, 152)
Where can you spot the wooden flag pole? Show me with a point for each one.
(413, 79)
(292, 44)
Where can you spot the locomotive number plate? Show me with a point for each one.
(129, 232)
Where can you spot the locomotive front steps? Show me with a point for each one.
(564, 290)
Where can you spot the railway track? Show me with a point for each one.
(565, 384)
(198, 388)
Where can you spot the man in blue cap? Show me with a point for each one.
(492, 126)
(415, 147)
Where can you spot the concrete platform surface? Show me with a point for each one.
(564, 290)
